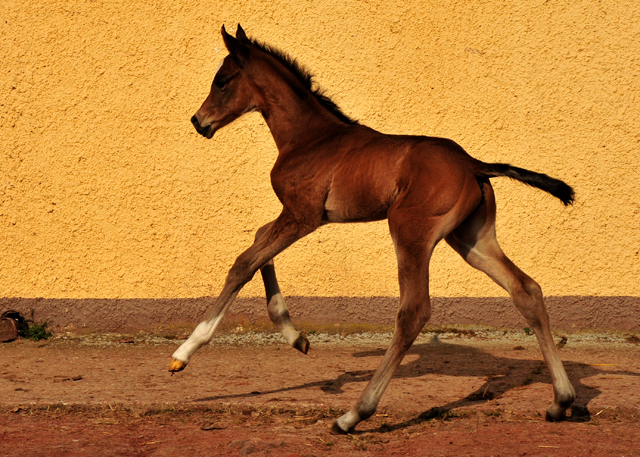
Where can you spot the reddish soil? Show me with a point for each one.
(453, 395)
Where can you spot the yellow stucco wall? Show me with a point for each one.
(107, 191)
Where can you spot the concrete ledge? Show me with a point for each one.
(567, 313)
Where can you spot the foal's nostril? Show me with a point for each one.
(205, 130)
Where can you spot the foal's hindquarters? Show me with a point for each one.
(469, 227)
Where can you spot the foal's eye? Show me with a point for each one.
(221, 83)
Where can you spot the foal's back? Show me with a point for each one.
(372, 170)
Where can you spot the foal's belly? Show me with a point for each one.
(356, 201)
(354, 215)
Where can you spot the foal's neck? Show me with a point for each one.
(294, 115)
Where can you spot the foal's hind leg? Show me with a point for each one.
(278, 312)
(475, 240)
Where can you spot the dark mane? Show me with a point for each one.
(306, 79)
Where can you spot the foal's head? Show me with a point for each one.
(231, 94)
(255, 76)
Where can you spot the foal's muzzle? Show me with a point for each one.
(206, 131)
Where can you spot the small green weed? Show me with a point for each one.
(35, 332)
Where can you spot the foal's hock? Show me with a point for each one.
(329, 169)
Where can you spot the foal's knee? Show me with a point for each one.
(240, 273)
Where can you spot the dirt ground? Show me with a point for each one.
(458, 392)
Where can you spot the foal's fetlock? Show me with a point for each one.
(558, 409)
(301, 343)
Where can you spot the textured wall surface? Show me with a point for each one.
(106, 191)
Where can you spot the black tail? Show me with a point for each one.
(555, 187)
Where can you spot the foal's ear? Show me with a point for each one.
(241, 36)
(237, 50)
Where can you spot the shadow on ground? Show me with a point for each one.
(501, 374)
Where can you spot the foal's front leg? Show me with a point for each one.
(276, 307)
(283, 232)
(414, 310)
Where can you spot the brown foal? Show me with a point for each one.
(332, 169)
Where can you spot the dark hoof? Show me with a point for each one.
(302, 344)
(336, 430)
(555, 413)
(549, 418)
